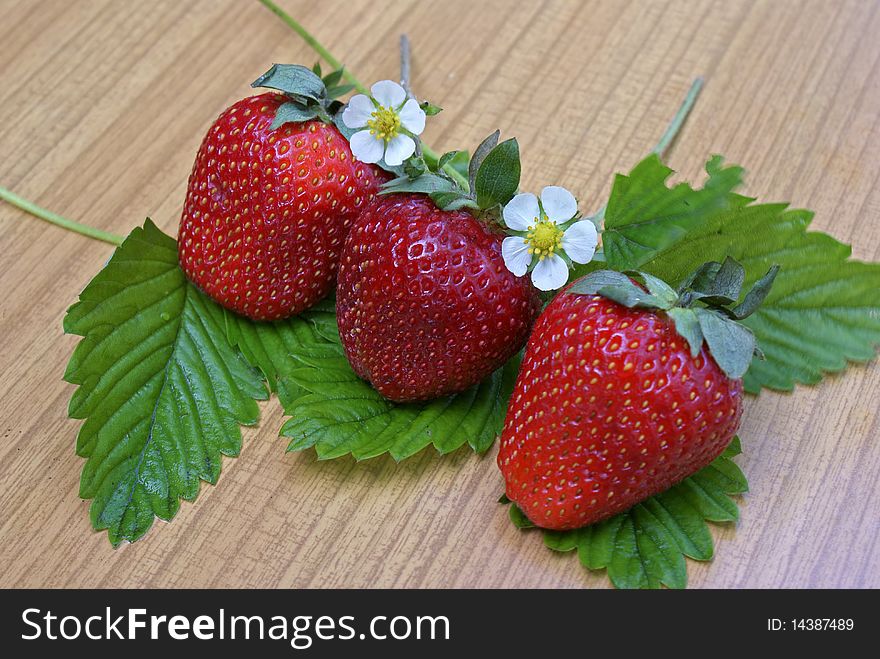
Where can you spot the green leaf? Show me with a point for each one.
(593, 282)
(644, 216)
(645, 547)
(823, 309)
(161, 390)
(480, 155)
(497, 178)
(337, 413)
(292, 112)
(295, 80)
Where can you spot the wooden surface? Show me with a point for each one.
(104, 103)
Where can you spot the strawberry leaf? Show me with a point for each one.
(823, 309)
(161, 390)
(497, 177)
(645, 547)
(337, 413)
(644, 216)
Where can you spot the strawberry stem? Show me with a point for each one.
(405, 65)
(327, 56)
(38, 211)
(665, 142)
(314, 44)
(678, 120)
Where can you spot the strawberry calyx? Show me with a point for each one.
(705, 307)
(309, 96)
(485, 182)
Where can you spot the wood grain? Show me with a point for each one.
(104, 104)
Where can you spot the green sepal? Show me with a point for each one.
(430, 109)
(294, 80)
(717, 283)
(428, 183)
(339, 90)
(333, 83)
(293, 112)
(713, 284)
(756, 295)
(307, 94)
(732, 344)
(687, 324)
(658, 288)
(620, 288)
(452, 201)
(458, 160)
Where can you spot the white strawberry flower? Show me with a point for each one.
(547, 237)
(390, 121)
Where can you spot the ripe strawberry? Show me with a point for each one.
(267, 211)
(613, 405)
(424, 302)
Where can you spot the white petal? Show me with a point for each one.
(412, 117)
(399, 149)
(559, 204)
(516, 255)
(521, 211)
(358, 111)
(550, 274)
(388, 93)
(579, 241)
(366, 147)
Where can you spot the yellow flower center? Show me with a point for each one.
(384, 123)
(544, 238)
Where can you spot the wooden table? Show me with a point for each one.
(104, 103)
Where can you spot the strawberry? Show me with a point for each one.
(270, 201)
(623, 393)
(424, 302)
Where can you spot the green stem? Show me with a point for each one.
(669, 134)
(29, 207)
(680, 117)
(327, 56)
(314, 43)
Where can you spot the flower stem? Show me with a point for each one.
(405, 68)
(327, 56)
(29, 207)
(405, 65)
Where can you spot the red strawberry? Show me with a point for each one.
(612, 405)
(424, 303)
(267, 211)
